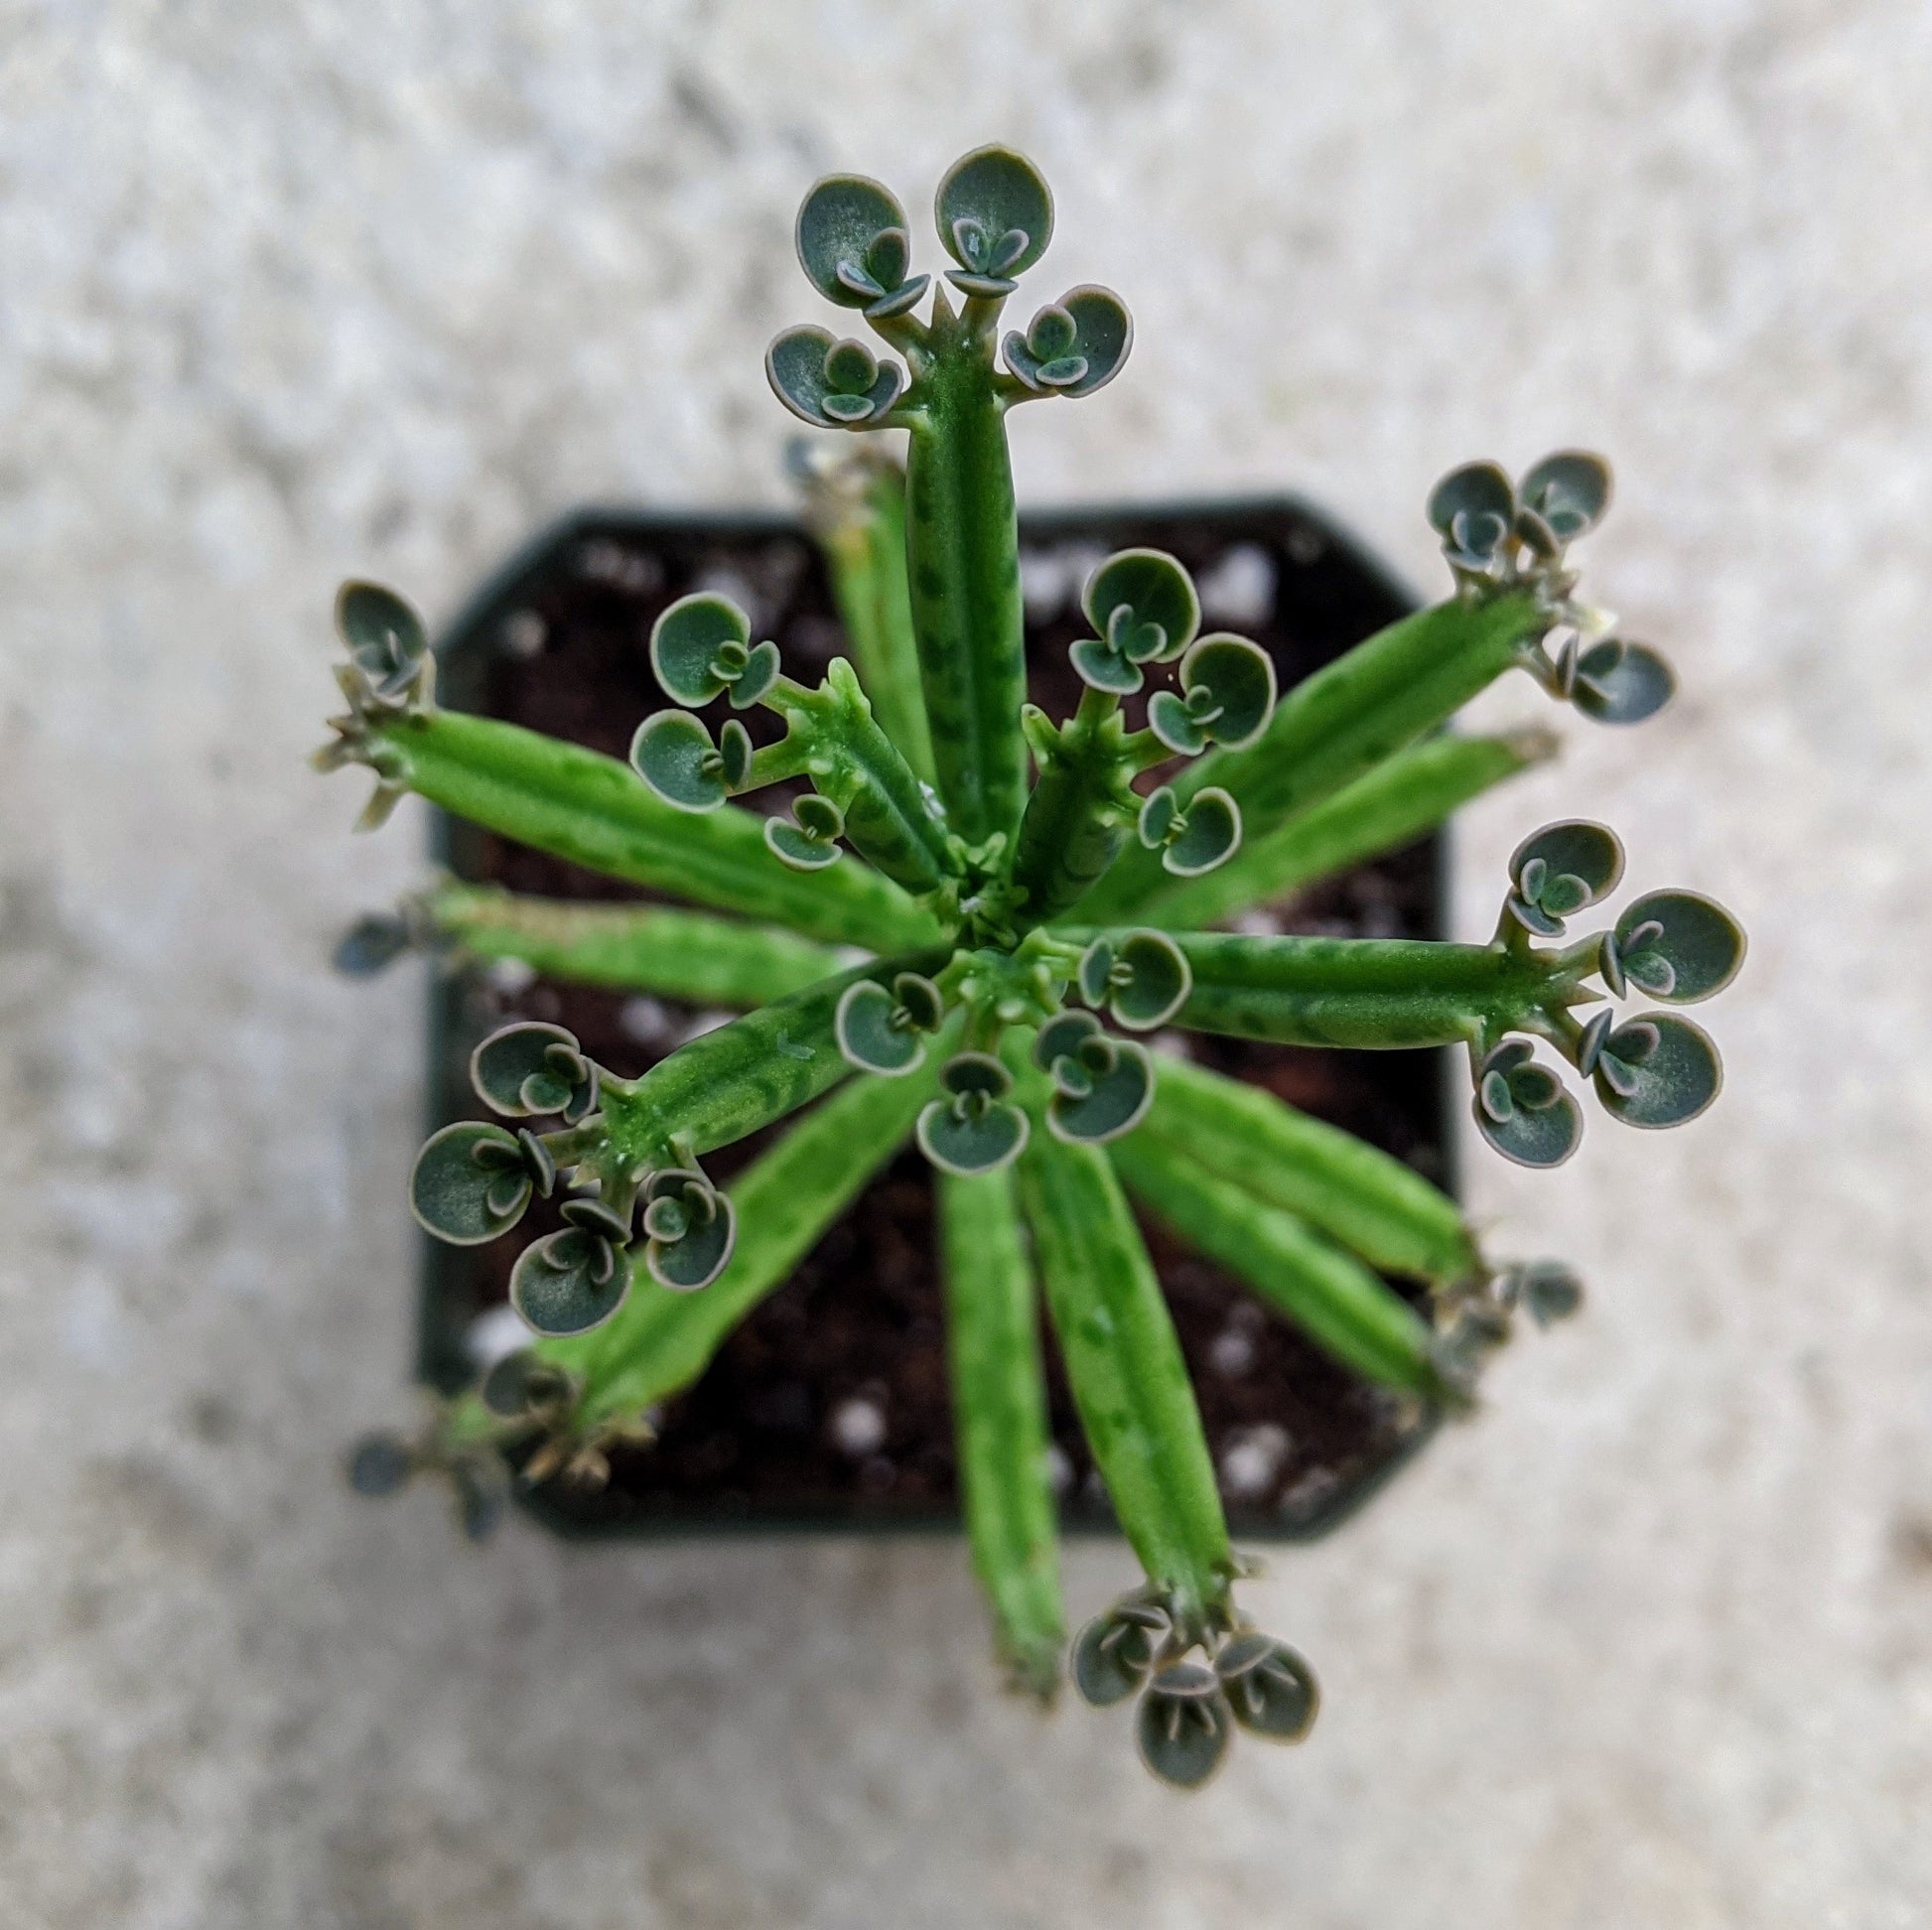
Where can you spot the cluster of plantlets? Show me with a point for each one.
(1004, 922)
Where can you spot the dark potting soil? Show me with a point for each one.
(830, 1404)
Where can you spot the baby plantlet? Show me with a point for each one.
(1027, 899)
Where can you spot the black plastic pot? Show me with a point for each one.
(767, 1438)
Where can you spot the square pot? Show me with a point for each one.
(828, 1407)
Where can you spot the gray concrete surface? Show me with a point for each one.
(290, 291)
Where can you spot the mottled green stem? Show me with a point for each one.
(785, 1199)
(594, 811)
(1370, 1201)
(1367, 993)
(1334, 1299)
(866, 550)
(963, 564)
(1128, 1377)
(1410, 796)
(1344, 720)
(1082, 805)
(1000, 1420)
(632, 947)
(837, 743)
(731, 1082)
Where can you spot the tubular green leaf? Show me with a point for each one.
(597, 812)
(730, 1082)
(963, 565)
(865, 551)
(1000, 1420)
(1125, 1366)
(1372, 994)
(1369, 1201)
(661, 1341)
(889, 818)
(633, 947)
(1386, 807)
(1075, 824)
(1344, 720)
(1334, 1299)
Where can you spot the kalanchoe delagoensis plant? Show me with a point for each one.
(1030, 902)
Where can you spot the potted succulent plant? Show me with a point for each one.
(986, 931)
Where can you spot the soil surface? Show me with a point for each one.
(830, 1403)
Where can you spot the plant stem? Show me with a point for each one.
(1344, 720)
(1075, 821)
(866, 550)
(1128, 1377)
(729, 1082)
(838, 744)
(963, 565)
(1372, 1203)
(1000, 1420)
(1334, 1299)
(597, 812)
(1386, 807)
(633, 947)
(1366, 992)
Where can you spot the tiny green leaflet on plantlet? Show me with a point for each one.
(1183, 1724)
(853, 245)
(1228, 696)
(531, 1067)
(1144, 610)
(1270, 1687)
(574, 1280)
(701, 649)
(1116, 1652)
(973, 1129)
(674, 753)
(882, 1029)
(372, 944)
(1192, 841)
(1655, 1070)
(1612, 681)
(386, 637)
(380, 1464)
(1522, 1109)
(1102, 1087)
(1559, 870)
(808, 839)
(832, 385)
(689, 1230)
(472, 1182)
(1569, 491)
(994, 215)
(1678, 946)
(523, 1384)
(1141, 977)
(1546, 1288)
(1473, 511)
(1072, 347)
